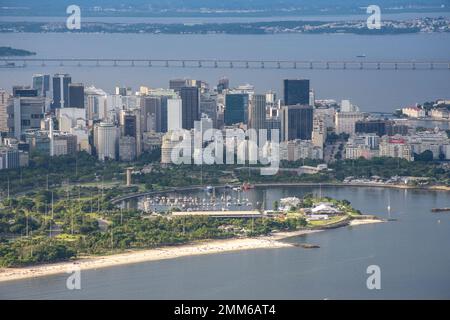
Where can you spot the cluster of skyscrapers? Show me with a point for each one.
(56, 116)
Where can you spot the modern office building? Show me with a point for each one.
(106, 137)
(151, 111)
(393, 129)
(257, 112)
(130, 124)
(41, 82)
(123, 91)
(296, 122)
(64, 144)
(177, 84)
(236, 108)
(9, 158)
(205, 123)
(208, 106)
(96, 103)
(345, 121)
(347, 106)
(24, 91)
(61, 91)
(371, 126)
(296, 91)
(4, 98)
(164, 95)
(76, 95)
(190, 98)
(224, 84)
(174, 114)
(127, 148)
(164, 119)
(24, 113)
(273, 124)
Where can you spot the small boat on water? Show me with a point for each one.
(361, 56)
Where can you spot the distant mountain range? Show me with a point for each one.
(212, 7)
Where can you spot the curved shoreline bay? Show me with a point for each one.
(410, 252)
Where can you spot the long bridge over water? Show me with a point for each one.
(360, 64)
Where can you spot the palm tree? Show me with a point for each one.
(72, 211)
(27, 214)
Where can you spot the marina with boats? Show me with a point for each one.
(228, 198)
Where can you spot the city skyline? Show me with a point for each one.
(234, 156)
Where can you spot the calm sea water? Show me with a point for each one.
(412, 253)
(372, 90)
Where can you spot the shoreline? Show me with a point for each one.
(213, 246)
(272, 241)
(285, 184)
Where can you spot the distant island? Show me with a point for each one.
(12, 52)
(422, 25)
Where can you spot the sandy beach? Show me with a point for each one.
(357, 222)
(136, 256)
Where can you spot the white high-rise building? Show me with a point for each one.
(96, 103)
(4, 96)
(347, 106)
(106, 140)
(174, 114)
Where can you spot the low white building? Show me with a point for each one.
(325, 208)
(414, 112)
